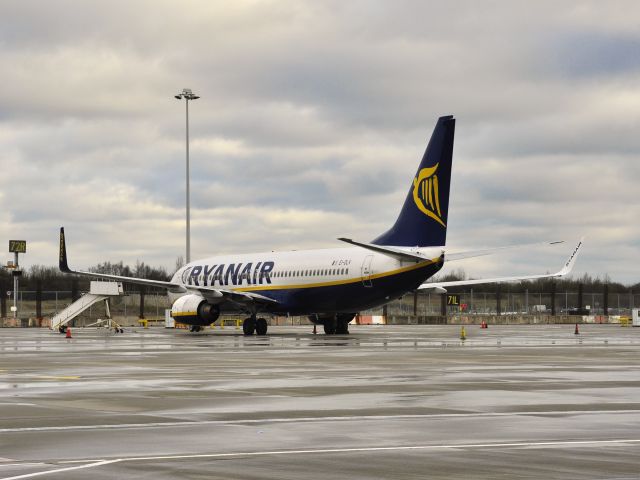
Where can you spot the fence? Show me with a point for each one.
(126, 306)
(420, 304)
(482, 303)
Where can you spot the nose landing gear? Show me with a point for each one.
(261, 326)
(249, 326)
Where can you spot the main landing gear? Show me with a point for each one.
(330, 326)
(334, 326)
(255, 325)
(342, 328)
(195, 328)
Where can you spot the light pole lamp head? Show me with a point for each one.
(187, 94)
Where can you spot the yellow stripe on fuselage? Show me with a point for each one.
(339, 282)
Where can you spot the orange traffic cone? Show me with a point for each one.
(69, 333)
(577, 332)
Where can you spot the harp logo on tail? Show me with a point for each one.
(426, 195)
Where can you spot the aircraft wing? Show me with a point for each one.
(216, 295)
(453, 256)
(568, 266)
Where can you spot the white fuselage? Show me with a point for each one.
(283, 273)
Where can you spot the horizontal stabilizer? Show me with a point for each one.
(390, 251)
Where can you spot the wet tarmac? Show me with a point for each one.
(383, 402)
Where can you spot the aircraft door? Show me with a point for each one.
(366, 271)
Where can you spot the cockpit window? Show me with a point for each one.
(185, 274)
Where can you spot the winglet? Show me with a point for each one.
(572, 259)
(62, 261)
(568, 266)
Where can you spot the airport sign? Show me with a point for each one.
(18, 246)
(453, 299)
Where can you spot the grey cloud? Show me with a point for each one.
(312, 120)
(585, 55)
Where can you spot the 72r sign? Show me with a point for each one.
(18, 246)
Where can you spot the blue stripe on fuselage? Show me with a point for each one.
(348, 296)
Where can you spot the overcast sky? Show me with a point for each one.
(312, 121)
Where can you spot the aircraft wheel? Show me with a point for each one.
(194, 328)
(330, 326)
(342, 328)
(249, 326)
(261, 326)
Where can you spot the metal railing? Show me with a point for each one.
(426, 304)
(526, 303)
(127, 305)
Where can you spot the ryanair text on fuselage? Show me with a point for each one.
(232, 274)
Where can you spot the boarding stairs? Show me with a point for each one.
(99, 292)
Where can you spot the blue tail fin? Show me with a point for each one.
(423, 219)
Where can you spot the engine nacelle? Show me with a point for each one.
(194, 310)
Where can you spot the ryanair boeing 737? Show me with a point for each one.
(331, 285)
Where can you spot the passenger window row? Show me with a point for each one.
(310, 273)
(285, 274)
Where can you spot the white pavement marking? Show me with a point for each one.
(558, 443)
(188, 423)
(21, 464)
(379, 449)
(65, 469)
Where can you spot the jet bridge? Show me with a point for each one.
(98, 292)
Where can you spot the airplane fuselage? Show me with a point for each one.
(305, 282)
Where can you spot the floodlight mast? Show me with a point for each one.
(15, 287)
(187, 94)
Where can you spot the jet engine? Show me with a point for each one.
(194, 310)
